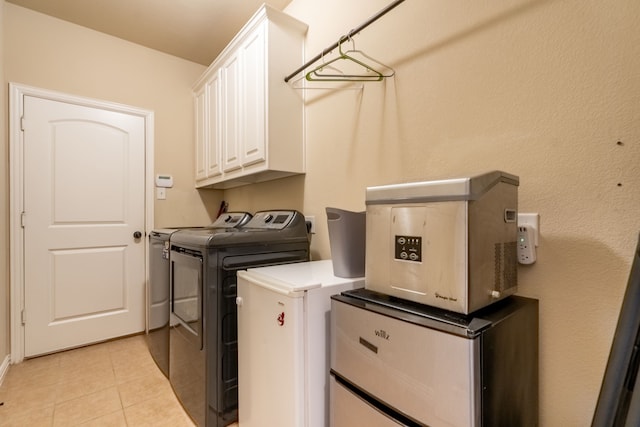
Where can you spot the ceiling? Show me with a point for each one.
(196, 30)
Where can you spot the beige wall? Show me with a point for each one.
(4, 204)
(52, 54)
(541, 89)
(48, 53)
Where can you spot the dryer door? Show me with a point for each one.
(186, 291)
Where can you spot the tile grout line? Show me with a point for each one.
(113, 369)
(68, 366)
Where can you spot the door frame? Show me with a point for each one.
(16, 192)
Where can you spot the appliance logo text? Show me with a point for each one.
(444, 297)
(382, 334)
(281, 319)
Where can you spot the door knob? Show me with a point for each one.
(137, 234)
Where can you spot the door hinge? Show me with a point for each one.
(23, 317)
(23, 219)
(22, 123)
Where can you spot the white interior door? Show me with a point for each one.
(84, 198)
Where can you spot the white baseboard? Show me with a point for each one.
(4, 368)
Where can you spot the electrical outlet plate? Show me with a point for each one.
(532, 220)
(312, 220)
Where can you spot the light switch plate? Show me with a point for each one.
(161, 193)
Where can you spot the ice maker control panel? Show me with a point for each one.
(409, 248)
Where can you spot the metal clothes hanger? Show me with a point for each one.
(371, 73)
(321, 83)
(356, 30)
(320, 70)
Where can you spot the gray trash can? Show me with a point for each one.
(347, 242)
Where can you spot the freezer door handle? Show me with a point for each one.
(368, 345)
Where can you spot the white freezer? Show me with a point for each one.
(283, 343)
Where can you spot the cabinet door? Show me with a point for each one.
(215, 127)
(231, 101)
(253, 105)
(201, 133)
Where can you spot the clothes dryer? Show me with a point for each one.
(158, 289)
(203, 357)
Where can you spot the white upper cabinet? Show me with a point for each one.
(208, 129)
(201, 133)
(253, 97)
(249, 122)
(214, 120)
(230, 105)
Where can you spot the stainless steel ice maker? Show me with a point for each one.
(447, 243)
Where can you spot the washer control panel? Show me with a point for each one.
(271, 220)
(231, 220)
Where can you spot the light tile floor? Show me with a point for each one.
(116, 383)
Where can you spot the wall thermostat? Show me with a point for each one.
(164, 181)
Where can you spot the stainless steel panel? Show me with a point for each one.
(440, 278)
(492, 247)
(158, 300)
(464, 253)
(349, 410)
(433, 376)
(468, 188)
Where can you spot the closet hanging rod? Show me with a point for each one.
(344, 38)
